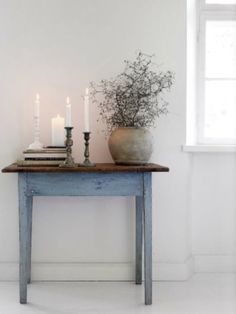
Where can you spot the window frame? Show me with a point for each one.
(208, 12)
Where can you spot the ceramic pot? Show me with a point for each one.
(130, 146)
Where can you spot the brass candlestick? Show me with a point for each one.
(87, 162)
(69, 161)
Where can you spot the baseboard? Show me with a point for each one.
(214, 263)
(96, 271)
(122, 271)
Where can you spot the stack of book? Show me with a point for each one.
(48, 156)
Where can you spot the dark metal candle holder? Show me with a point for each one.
(69, 161)
(87, 162)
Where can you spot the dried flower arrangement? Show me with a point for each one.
(134, 97)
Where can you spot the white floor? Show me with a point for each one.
(203, 294)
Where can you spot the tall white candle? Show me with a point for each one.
(36, 106)
(58, 131)
(86, 110)
(68, 112)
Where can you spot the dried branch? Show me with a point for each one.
(132, 99)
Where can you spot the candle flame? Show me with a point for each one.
(37, 97)
(68, 100)
(86, 91)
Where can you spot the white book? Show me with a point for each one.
(44, 155)
(29, 163)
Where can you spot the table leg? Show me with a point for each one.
(29, 237)
(25, 203)
(139, 239)
(147, 193)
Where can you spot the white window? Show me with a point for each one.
(216, 103)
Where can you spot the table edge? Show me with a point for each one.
(13, 168)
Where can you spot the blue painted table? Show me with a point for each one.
(102, 180)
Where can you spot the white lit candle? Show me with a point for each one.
(86, 110)
(68, 112)
(36, 106)
(58, 132)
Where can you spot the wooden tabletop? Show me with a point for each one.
(100, 167)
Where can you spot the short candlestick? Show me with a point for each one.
(87, 162)
(69, 161)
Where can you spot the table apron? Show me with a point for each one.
(83, 184)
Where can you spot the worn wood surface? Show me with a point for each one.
(101, 167)
(139, 239)
(29, 236)
(104, 180)
(84, 184)
(24, 205)
(147, 195)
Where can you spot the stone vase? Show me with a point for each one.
(130, 146)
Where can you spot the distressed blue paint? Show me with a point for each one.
(24, 201)
(29, 237)
(147, 194)
(87, 184)
(139, 239)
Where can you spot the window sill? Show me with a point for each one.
(209, 148)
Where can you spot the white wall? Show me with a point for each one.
(214, 212)
(212, 200)
(55, 47)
